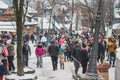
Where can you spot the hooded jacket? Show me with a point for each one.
(53, 50)
(39, 51)
(76, 52)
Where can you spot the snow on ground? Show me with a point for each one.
(47, 73)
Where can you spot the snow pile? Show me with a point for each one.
(27, 70)
(25, 77)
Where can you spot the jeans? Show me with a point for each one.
(25, 60)
(112, 58)
(11, 64)
(77, 65)
(61, 65)
(66, 55)
(39, 61)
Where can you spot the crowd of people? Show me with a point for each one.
(77, 48)
(64, 47)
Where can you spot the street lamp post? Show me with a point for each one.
(93, 60)
(72, 15)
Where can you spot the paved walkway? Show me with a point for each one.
(46, 73)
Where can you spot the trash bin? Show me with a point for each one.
(102, 70)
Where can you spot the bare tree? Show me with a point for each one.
(20, 20)
(89, 11)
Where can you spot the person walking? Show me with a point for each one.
(26, 52)
(33, 38)
(44, 41)
(3, 70)
(11, 54)
(61, 56)
(39, 51)
(3, 54)
(76, 56)
(102, 48)
(84, 58)
(53, 51)
(111, 49)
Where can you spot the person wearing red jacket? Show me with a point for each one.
(39, 51)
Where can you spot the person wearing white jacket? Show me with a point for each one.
(44, 40)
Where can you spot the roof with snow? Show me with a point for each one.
(31, 10)
(116, 26)
(31, 23)
(28, 15)
(8, 2)
(2, 23)
(3, 5)
(8, 26)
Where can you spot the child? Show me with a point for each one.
(3, 70)
(61, 56)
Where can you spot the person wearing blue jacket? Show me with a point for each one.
(3, 70)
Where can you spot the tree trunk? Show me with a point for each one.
(72, 15)
(19, 46)
(18, 6)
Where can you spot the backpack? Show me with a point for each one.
(68, 48)
(5, 52)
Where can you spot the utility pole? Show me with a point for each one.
(42, 24)
(93, 60)
(72, 15)
(49, 22)
(77, 19)
(42, 17)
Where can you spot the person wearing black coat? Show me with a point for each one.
(101, 50)
(26, 52)
(84, 59)
(54, 51)
(76, 56)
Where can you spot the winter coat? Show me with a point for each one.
(53, 50)
(39, 51)
(11, 50)
(61, 56)
(43, 39)
(84, 55)
(111, 47)
(76, 53)
(3, 69)
(63, 48)
(26, 49)
(62, 41)
(102, 47)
